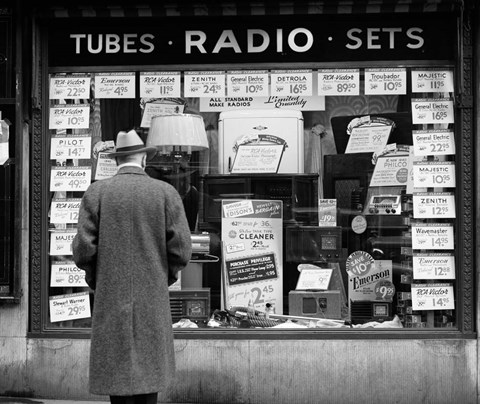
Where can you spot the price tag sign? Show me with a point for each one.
(204, 84)
(425, 111)
(72, 116)
(69, 307)
(384, 290)
(75, 87)
(247, 83)
(434, 205)
(314, 278)
(63, 210)
(432, 81)
(61, 241)
(160, 84)
(433, 174)
(372, 285)
(67, 274)
(327, 212)
(435, 296)
(70, 147)
(70, 178)
(291, 82)
(433, 266)
(385, 81)
(433, 142)
(115, 85)
(338, 82)
(432, 236)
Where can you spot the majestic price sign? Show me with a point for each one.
(71, 116)
(69, 307)
(61, 241)
(70, 178)
(436, 296)
(67, 274)
(70, 147)
(433, 266)
(432, 81)
(75, 87)
(432, 174)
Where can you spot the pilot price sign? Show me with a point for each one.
(69, 307)
(291, 82)
(72, 116)
(338, 82)
(67, 274)
(204, 84)
(247, 83)
(435, 296)
(70, 147)
(70, 178)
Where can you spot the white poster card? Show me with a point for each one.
(434, 296)
(327, 212)
(160, 84)
(386, 81)
(314, 278)
(115, 85)
(156, 108)
(390, 171)
(433, 266)
(434, 205)
(70, 146)
(204, 84)
(432, 236)
(432, 174)
(64, 210)
(291, 82)
(71, 116)
(438, 142)
(261, 158)
(67, 274)
(70, 87)
(370, 138)
(106, 166)
(247, 83)
(252, 264)
(435, 111)
(339, 82)
(370, 284)
(69, 307)
(61, 241)
(297, 102)
(70, 178)
(432, 81)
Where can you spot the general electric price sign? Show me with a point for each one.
(436, 296)
(338, 82)
(425, 111)
(439, 142)
(204, 84)
(70, 178)
(71, 116)
(291, 82)
(70, 147)
(247, 83)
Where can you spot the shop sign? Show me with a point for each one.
(437, 296)
(69, 307)
(432, 236)
(433, 266)
(67, 274)
(433, 142)
(64, 210)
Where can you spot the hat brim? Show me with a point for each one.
(150, 150)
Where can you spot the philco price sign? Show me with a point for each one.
(432, 236)
(160, 84)
(70, 116)
(385, 81)
(433, 205)
(436, 296)
(432, 81)
(69, 307)
(70, 147)
(426, 111)
(69, 87)
(64, 210)
(439, 142)
(115, 85)
(432, 174)
(247, 83)
(204, 84)
(67, 274)
(433, 266)
(70, 178)
(338, 82)
(291, 82)
(61, 241)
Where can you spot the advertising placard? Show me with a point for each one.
(434, 205)
(438, 110)
(433, 266)
(71, 116)
(70, 147)
(390, 171)
(160, 84)
(252, 262)
(432, 174)
(66, 274)
(247, 83)
(291, 82)
(327, 212)
(438, 142)
(432, 81)
(432, 236)
(61, 241)
(106, 166)
(386, 81)
(69, 307)
(252, 158)
(435, 296)
(372, 284)
(70, 87)
(115, 85)
(365, 139)
(204, 84)
(70, 178)
(64, 210)
(339, 82)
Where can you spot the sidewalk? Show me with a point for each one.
(23, 400)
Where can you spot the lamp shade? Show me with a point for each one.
(177, 131)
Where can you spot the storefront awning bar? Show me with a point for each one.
(232, 8)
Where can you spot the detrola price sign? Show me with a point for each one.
(70, 178)
(65, 116)
(291, 82)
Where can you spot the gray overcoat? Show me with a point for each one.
(133, 238)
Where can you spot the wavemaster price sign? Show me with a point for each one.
(432, 236)
(252, 243)
(69, 307)
(435, 296)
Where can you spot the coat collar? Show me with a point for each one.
(131, 170)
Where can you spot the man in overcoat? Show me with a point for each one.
(133, 238)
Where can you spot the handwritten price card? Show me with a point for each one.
(67, 274)
(385, 81)
(338, 82)
(160, 84)
(435, 296)
(63, 210)
(204, 84)
(70, 147)
(70, 87)
(115, 85)
(71, 116)
(432, 236)
(247, 83)
(439, 142)
(432, 81)
(425, 111)
(69, 307)
(434, 205)
(61, 241)
(433, 266)
(291, 82)
(70, 178)
(434, 174)
(327, 212)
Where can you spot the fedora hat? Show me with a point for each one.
(130, 143)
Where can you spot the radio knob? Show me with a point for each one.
(387, 210)
(393, 210)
